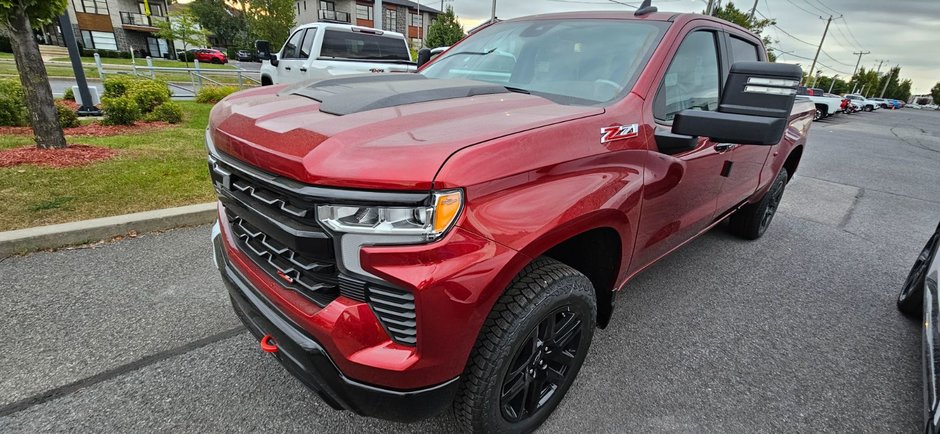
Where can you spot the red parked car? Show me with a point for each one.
(405, 243)
(209, 55)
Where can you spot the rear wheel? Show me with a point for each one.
(529, 351)
(751, 221)
(868, 108)
(818, 115)
(911, 298)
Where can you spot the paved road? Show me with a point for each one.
(794, 332)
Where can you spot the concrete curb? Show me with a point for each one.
(81, 232)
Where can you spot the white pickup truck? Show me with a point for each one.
(825, 106)
(324, 50)
(863, 103)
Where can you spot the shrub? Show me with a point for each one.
(69, 94)
(12, 104)
(149, 94)
(120, 110)
(170, 112)
(67, 116)
(214, 94)
(116, 86)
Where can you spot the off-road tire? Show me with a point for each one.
(542, 289)
(751, 221)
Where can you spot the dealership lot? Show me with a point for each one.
(796, 332)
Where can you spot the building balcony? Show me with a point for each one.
(141, 22)
(334, 16)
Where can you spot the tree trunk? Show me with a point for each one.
(39, 102)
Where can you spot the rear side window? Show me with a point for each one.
(292, 47)
(352, 45)
(692, 80)
(743, 51)
(308, 43)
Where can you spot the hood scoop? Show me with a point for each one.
(360, 93)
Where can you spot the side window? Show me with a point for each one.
(692, 80)
(743, 51)
(291, 47)
(308, 43)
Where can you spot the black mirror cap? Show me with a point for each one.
(424, 56)
(263, 48)
(730, 127)
(761, 89)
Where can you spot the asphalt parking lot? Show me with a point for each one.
(795, 332)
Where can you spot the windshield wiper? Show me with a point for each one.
(517, 90)
(473, 53)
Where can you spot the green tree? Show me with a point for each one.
(216, 17)
(445, 30)
(270, 20)
(18, 18)
(730, 13)
(183, 27)
(935, 93)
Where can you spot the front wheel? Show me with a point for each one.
(751, 221)
(529, 350)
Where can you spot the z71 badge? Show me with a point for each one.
(613, 134)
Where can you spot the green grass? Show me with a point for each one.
(155, 169)
(6, 55)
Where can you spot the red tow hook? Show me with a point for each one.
(268, 345)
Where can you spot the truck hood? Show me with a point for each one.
(395, 140)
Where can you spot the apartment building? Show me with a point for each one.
(121, 25)
(400, 16)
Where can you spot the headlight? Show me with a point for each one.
(405, 224)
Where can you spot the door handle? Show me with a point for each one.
(303, 69)
(725, 147)
(287, 68)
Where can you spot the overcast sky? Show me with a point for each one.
(901, 32)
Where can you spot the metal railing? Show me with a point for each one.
(335, 16)
(188, 81)
(136, 19)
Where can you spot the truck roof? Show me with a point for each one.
(347, 28)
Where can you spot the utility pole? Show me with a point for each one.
(750, 17)
(818, 49)
(833, 82)
(880, 62)
(860, 54)
(709, 9)
(377, 13)
(890, 76)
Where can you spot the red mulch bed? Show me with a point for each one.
(68, 103)
(93, 129)
(72, 156)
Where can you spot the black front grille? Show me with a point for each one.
(314, 279)
(276, 228)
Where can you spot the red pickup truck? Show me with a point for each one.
(404, 243)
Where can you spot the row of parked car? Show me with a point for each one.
(828, 104)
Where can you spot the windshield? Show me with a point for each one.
(587, 61)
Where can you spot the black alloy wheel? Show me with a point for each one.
(776, 195)
(541, 365)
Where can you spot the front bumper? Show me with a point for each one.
(307, 360)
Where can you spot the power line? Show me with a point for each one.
(849, 28)
(835, 60)
(816, 7)
(827, 7)
(802, 8)
(790, 53)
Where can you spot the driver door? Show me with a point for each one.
(290, 62)
(683, 177)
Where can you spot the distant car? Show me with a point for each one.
(914, 105)
(209, 55)
(246, 56)
(918, 300)
(864, 103)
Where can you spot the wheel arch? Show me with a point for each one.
(793, 161)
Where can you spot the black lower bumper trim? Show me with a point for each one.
(309, 362)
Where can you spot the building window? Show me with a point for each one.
(99, 40)
(156, 9)
(327, 6)
(417, 20)
(390, 20)
(364, 12)
(91, 6)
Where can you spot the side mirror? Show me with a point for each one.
(264, 51)
(424, 56)
(754, 108)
